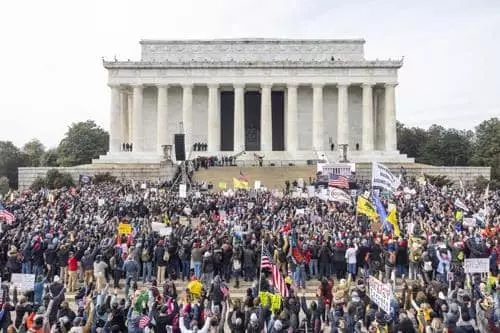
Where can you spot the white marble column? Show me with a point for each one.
(266, 119)
(213, 118)
(239, 117)
(390, 118)
(162, 121)
(130, 110)
(187, 116)
(124, 120)
(138, 130)
(114, 120)
(317, 117)
(343, 115)
(291, 131)
(367, 131)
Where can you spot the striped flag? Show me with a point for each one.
(8, 216)
(266, 262)
(144, 321)
(338, 181)
(242, 176)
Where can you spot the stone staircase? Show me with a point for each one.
(270, 177)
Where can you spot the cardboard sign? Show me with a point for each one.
(124, 229)
(23, 282)
(380, 293)
(477, 265)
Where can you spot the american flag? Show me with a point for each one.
(144, 321)
(338, 181)
(266, 262)
(8, 216)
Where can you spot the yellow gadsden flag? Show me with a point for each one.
(222, 185)
(393, 220)
(365, 207)
(240, 184)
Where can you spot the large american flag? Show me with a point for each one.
(338, 181)
(8, 216)
(266, 262)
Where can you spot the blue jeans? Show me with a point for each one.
(147, 269)
(351, 268)
(400, 270)
(26, 267)
(197, 268)
(300, 276)
(186, 265)
(37, 270)
(313, 267)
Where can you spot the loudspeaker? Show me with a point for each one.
(180, 149)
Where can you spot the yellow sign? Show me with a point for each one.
(240, 184)
(222, 185)
(124, 229)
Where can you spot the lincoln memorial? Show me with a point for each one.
(283, 99)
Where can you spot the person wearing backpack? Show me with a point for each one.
(147, 265)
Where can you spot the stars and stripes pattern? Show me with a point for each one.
(338, 181)
(242, 176)
(5, 214)
(266, 262)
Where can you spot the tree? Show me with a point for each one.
(411, 140)
(33, 151)
(55, 179)
(10, 159)
(487, 146)
(49, 158)
(4, 185)
(83, 142)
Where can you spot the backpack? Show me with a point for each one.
(145, 257)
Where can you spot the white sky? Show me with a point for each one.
(51, 51)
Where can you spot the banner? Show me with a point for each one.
(380, 294)
(240, 184)
(275, 299)
(182, 191)
(365, 207)
(477, 265)
(383, 178)
(459, 204)
(23, 282)
(338, 195)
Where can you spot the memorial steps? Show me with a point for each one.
(270, 177)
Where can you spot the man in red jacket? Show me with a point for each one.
(72, 272)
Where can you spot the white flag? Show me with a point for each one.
(383, 178)
(461, 205)
(336, 194)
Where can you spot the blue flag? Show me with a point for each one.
(381, 213)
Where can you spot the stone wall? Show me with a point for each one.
(466, 174)
(138, 172)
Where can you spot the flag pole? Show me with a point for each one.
(260, 268)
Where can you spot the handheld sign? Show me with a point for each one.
(477, 265)
(23, 282)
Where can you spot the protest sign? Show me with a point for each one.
(477, 265)
(165, 231)
(383, 178)
(100, 202)
(380, 293)
(257, 184)
(23, 282)
(124, 229)
(183, 220)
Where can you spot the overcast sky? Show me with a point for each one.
(51, 51)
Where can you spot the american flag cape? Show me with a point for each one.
(338, 181)
(8, 216)
(266, 262)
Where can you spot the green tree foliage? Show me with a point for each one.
(10, 159)
(103, 178)
(4, 185)
(487, 146)
(33, 151)
(437, 145)
(49, 158)
(55, 179)
(38, 183)
(83, 142)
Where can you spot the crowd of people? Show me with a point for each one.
(125, 281)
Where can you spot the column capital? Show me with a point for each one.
(367, 85)
(342, 85)
(239, 85)
(137, 85)
(166, 85)
(292, 85)
(213, 86)
(114, 86)
(266, 85)
(390, 84)
(318, 85)
(187, 86)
